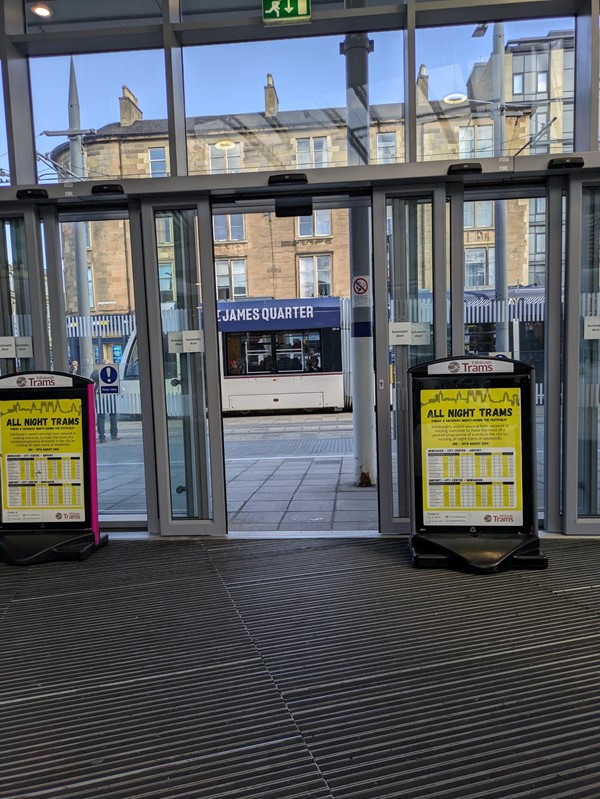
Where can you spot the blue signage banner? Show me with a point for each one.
(296, 314)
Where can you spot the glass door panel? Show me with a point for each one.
(184, 367)
(16, 331)
(588, 496)
(189, 458)
(410, 316)
(101, 329)
(505, 289)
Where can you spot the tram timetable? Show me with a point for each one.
(471, 456)
(41, 459)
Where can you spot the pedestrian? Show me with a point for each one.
(74, 367)
(105, 403)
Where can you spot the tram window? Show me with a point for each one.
(259, 352)
(235, 348)
(288, 346)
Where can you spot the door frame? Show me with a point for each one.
(447, 243)
(153, 405)
(437, 192)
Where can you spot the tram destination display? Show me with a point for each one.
(473, 464)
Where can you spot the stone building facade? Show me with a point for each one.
(260, 255)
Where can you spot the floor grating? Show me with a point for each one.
(299, 669)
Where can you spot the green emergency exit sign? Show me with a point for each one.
(282, 11)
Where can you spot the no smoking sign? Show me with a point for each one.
(361, 291)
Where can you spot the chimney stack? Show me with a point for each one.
(129, 108)
(422, 86)
(271, 99)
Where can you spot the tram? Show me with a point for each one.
(274, 355)
(295, 354)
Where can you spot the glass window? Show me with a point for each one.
(290, 90)
(109, 119)
(228, 227)
(231, 276)
(311, 153)
(315, 275)
(466, 141)
(90, 287)
(485, 213)
(455, 85)
(518, 83)
(164, 229)
(542, 82)
(479, 263)
(484, 138)
(165, 282)
(469, 214)
(225, 157)
(386, 148)
(319, 224)
(158, 162)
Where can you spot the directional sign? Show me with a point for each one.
(282, 11)
(109, 380)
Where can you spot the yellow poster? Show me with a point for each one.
(41, 460)
(471, 456)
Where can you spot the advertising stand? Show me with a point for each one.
(473, 464)
(48, 484)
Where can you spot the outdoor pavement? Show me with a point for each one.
(289, 472)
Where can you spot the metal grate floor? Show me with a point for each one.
(298, 669)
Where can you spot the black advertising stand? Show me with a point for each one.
(473, 465)
(48, 482)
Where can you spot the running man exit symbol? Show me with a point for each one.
(286, 11)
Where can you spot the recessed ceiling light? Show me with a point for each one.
(455, 98)
(225, 144)
(41, 10)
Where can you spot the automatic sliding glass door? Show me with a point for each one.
(181, 369)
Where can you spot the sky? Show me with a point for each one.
(225, 79)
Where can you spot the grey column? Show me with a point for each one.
(356, 49)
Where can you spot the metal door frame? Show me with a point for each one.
(572, 523)
(556, 435)
(148, 323)
(388, 524)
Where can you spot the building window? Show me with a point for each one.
(164, 229)
(88, 236)
(158, 162)
(476, 142)
(165, 282)
(479, 214)
(225, 157)
(228, 227)
(311, 153)
(517, 83)
(318, 224)
(541, 133)
(386, 148)
(479, 267)
(90, 287)
(315, 275)
(231, 278)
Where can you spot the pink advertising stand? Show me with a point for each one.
(48, 483)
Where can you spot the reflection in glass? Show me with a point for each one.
(276, 115)
(505, 295)
(495, 90)
(15, 303)
(113, 134)
(410, 277)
